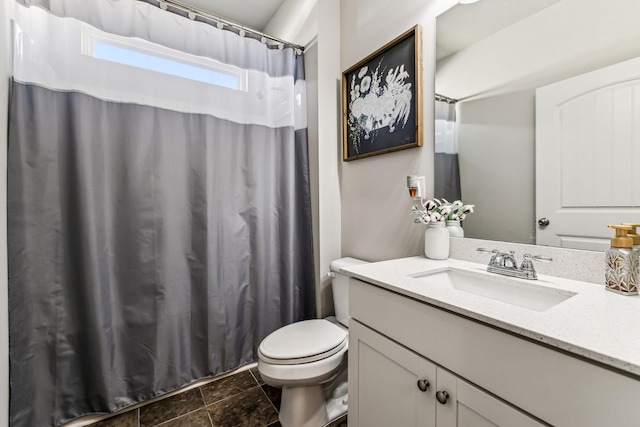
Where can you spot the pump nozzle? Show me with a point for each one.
(621, 240)
(633, 226)
(634, 233)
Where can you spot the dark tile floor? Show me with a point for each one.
(239, 400)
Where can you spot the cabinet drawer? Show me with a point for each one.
(559, 389)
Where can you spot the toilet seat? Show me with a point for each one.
(303, 342)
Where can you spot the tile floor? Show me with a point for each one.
(239, 400)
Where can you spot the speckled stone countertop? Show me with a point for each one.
(594, 323)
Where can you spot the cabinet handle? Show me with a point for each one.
(442, 396)
(423, 385)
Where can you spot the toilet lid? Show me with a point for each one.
(303, 340)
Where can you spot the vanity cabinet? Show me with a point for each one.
(395, 386)
(492, 377)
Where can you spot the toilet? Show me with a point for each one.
(308, 359)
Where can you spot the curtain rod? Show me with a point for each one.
(221, 22)
(445, 99)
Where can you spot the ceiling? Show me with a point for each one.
(465, 24)
(253, 14)
(457, 28)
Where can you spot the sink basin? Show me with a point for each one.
(499, 288)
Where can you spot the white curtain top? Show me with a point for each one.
(446, 135)
(133, 52)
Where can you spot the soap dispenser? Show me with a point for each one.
(621, 274)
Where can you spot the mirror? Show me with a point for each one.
(491, 56)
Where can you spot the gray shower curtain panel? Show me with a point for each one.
(148, 248)
(447, 173)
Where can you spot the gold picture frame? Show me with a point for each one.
(382, 99)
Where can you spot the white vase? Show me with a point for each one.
(455, 230)
(436, 241)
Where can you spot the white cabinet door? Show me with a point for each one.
(587, 139)
(383, 382)
(384, 390)
(469, 406)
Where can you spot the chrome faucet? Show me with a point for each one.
(506, 264)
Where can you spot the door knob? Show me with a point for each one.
(543, 222)
(442, 396)
(423, 385)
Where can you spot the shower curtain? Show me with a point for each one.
(159, 208)
(446, 166)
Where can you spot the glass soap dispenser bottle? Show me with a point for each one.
(636, 244)
(621, 272)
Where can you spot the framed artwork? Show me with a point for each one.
(382, 99)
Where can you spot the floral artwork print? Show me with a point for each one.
(381, 99)
(375, 104)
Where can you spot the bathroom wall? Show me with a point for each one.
(497, 140)
(375, 204)
(329, 199)
(4, 313)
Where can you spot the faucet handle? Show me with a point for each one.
(537, 258)
(489, 251)
(527, 264)
(494, 254)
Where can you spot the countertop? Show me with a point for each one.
(596, 324)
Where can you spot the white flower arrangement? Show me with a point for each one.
(378, 98)
(434, 210)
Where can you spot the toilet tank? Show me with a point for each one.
(340, 288)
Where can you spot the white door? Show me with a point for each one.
(588, 156)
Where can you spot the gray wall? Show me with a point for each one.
(496, 153)
(375, 204)
(329, 225)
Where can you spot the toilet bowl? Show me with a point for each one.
(308, 359)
